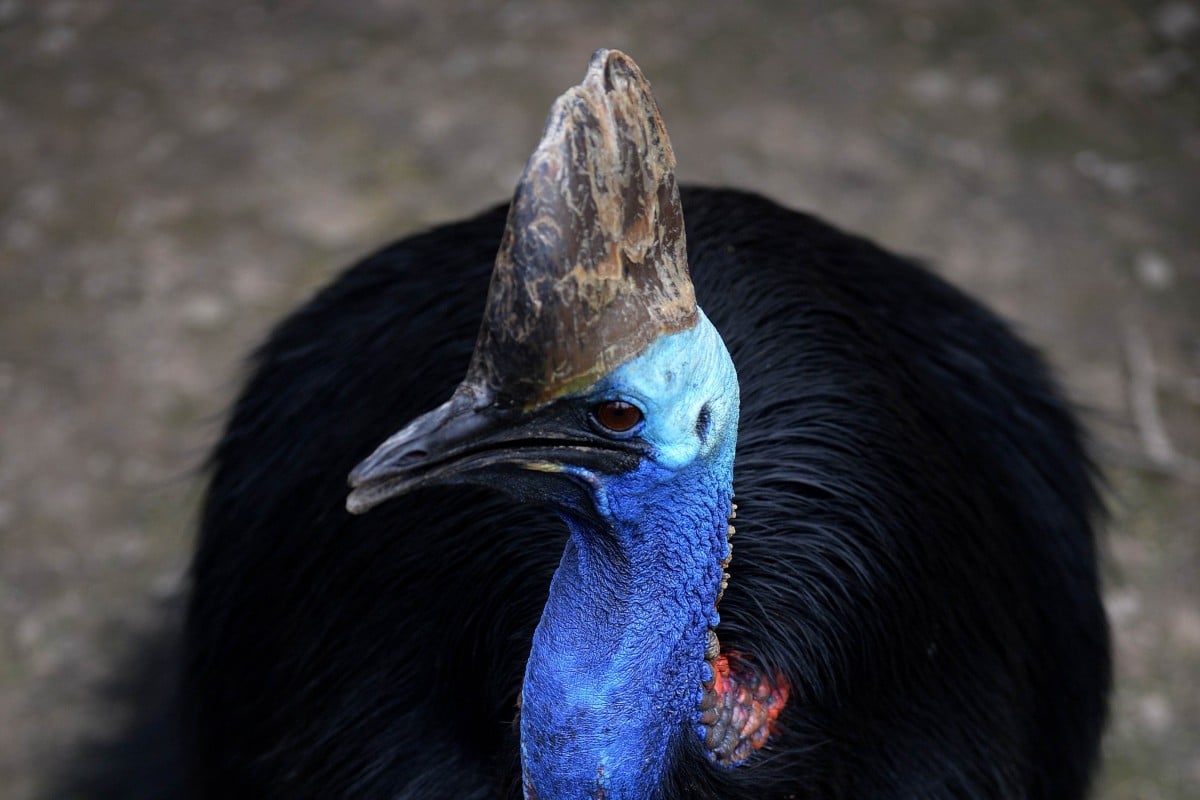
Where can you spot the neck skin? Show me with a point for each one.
(617, 662)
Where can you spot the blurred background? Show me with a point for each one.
(174, 176)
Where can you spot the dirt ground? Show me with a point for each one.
(176, 175)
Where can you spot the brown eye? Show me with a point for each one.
(617, 415)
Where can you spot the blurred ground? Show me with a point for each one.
(175, 175)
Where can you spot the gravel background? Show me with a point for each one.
(176, 175)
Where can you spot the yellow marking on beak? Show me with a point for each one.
(541, 466)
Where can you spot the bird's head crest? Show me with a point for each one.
(592, 267)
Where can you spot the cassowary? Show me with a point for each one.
(540, 592)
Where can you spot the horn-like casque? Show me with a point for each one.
(592, 267)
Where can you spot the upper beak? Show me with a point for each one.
(411, 457)
(468, 434)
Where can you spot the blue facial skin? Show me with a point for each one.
(617, 662)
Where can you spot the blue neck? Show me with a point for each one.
(617, 663)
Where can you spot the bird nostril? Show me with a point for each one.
(413, 455)
(373, 470)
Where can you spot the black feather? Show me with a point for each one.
(914, 550)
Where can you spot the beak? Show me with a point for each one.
(469, 439)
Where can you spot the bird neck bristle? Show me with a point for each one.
(740, 708)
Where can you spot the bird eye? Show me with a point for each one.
(617, 415)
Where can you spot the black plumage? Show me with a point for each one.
(914, 547)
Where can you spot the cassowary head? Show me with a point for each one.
(599, 388)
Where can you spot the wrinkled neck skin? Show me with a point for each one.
(615, 672)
